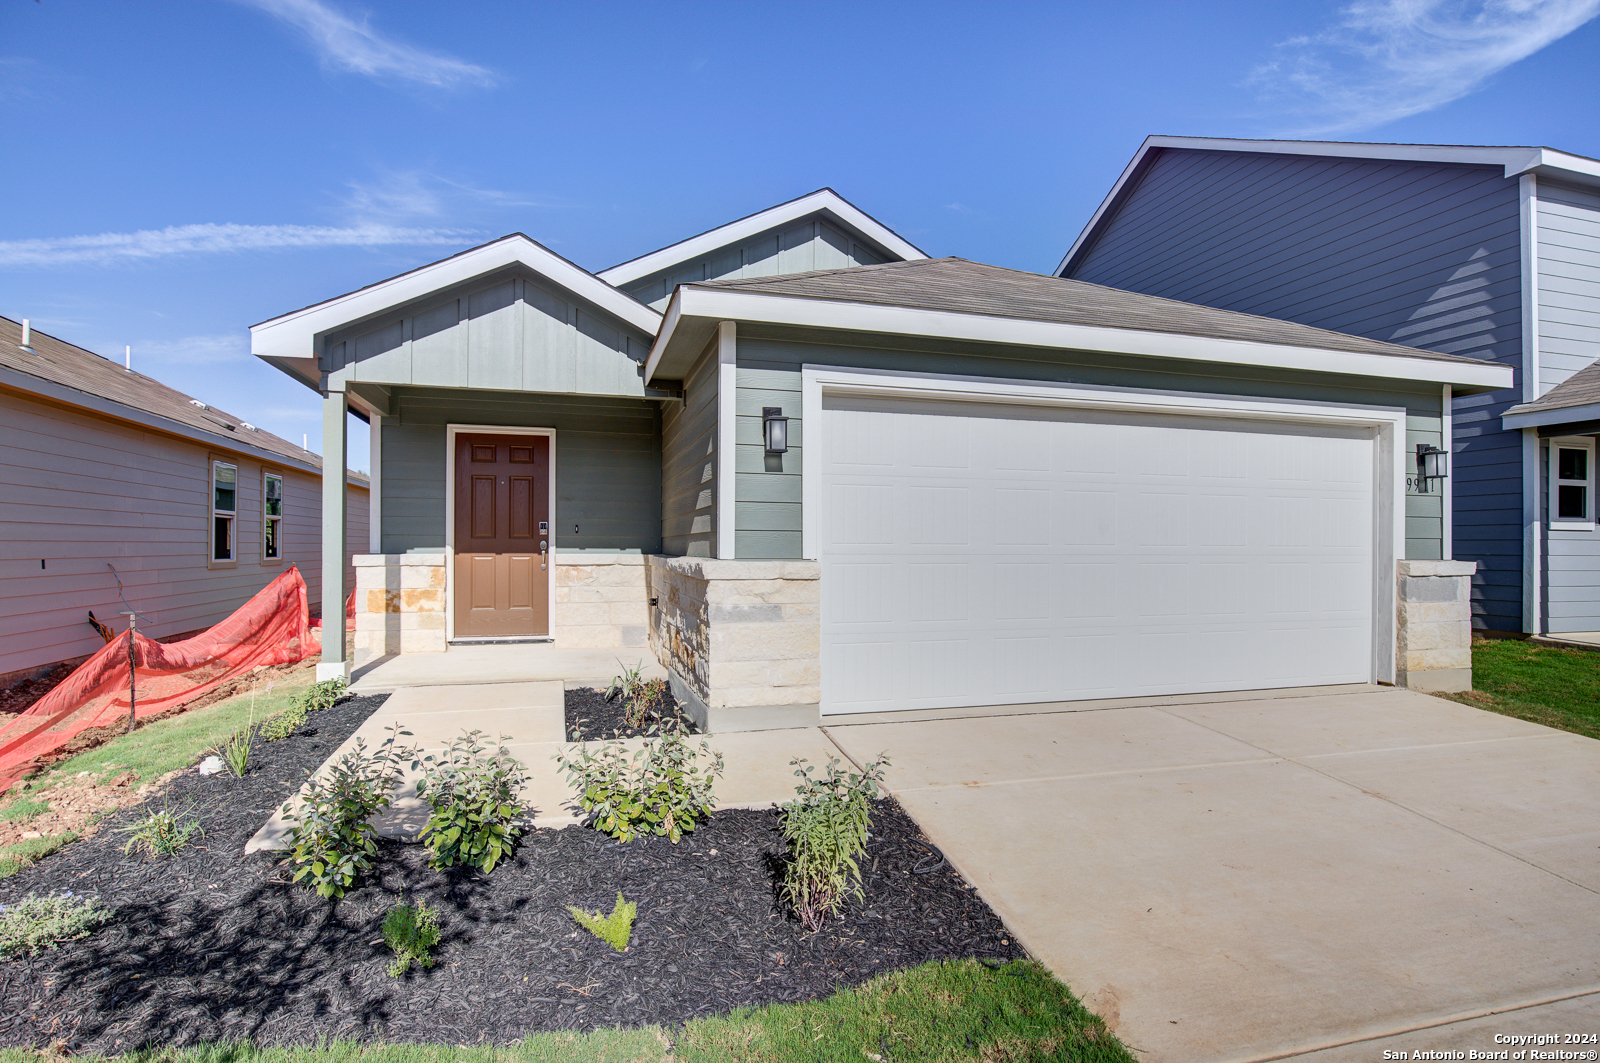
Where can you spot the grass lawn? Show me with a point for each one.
(939, 1012)
(151, 751)
(1552, 685)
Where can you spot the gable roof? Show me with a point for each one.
(823, 200)
(1514, 161)
(956, 298)
(288, 340)
(58, 370)
(1575, 399)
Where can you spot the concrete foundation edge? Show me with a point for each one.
(1437, 680)
(730, 719)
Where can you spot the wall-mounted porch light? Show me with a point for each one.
(775, 429)
(1433, 465)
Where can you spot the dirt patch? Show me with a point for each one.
(16, 698)
(77, 805)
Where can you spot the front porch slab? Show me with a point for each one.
(532, 716)
(500, 663)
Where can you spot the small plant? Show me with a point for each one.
(318, 696)
(826, 827)
(475, 803)
(663, 789)
(332, 842)
(412, 931)
(641, 698)
(235, 750)
(160, 834)
(35, 922)
(614, 929)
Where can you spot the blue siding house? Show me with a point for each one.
(1487, 252)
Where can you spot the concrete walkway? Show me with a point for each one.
(495, 663)
(756, 763)
(1326, 876)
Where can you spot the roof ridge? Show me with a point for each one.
(729, 282)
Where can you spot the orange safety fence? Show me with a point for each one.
(271, 628)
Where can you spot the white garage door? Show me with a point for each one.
(990, 555)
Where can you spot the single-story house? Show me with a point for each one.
(107, 475)
(820, 474)
(1488, 252)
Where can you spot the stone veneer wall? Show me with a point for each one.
(741, 639)
(1433, 648)
(401, 601)
(400, 604)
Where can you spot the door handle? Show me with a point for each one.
(544, 548)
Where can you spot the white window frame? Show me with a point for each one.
(231, 516)
(1552, 502)
(268, 532)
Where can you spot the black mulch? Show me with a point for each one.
(212, 945)
(592, 718)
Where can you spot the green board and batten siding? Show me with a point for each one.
(505, 332)
(689, 464)
(767, 489)
(798, 248)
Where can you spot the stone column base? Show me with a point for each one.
(740, 639)
(600, 602)
(400, 604)
(1433, 651)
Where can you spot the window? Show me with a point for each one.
(271, 516)
(224, 508)
(1572, 483)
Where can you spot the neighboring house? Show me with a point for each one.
(1489, 252)
(102, 467)
(926, 485)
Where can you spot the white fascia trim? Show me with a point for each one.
(70, 396)
(1514, 161)
(727, 439)
(903, 321)
(1389, 422)
(669, 324)
(1511, 420)
(292, 335)
(824, 199)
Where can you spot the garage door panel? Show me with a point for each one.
(999, 560)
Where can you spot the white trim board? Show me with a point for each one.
(727, 439)
(1389, 453)
(450, 433)
(824, 199)
(723, 305)
(1512, 420)
(1514, 161)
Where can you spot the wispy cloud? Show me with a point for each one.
(195, 350)
(350, 43)
(414, 195)
(111, 248)
(1389, 59)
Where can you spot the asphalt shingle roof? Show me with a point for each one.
(59, 362)
(1580, 389)
(962, 286)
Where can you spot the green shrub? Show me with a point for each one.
(235, 749)
(159, 834)
(35, 922)
(412, 931)
(614, 929)
(663, 789)
(317, 696)
(15, 857)
(23, 808)
(475, 803)
(641, 698)
(331, 841)
(826, 827)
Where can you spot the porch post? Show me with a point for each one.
(335, 516)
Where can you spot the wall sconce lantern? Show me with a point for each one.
(1433, 465)
(775, 429)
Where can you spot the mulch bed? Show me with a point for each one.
(592, 718)
(211, 945)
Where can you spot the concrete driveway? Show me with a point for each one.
(1255, 878)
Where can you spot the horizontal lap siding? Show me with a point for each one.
(768, 517)
(608, 465)
(1421, 254)
(689, 464)
(82, 492)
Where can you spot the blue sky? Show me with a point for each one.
(177, 171)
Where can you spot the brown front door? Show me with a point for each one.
(502, 576)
